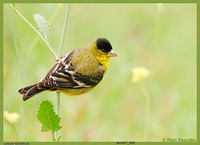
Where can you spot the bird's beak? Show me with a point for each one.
(112, 54)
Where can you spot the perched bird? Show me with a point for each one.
(76, 73)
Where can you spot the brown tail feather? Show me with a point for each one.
(29, 91)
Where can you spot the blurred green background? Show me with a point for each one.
(159, 37)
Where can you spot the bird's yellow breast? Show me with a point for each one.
(75, 92)
(103, 60)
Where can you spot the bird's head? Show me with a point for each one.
(103, 51)
(105, 48)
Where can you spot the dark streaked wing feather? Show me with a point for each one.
(62, 75)
(62, 64)
(87, 81)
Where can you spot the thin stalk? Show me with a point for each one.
(60, 48)
(20, 63)
(64, 29)
(143, 88)
(52, 51)
(147, 108)
(58, 103)
(57, 110)
(53, 137)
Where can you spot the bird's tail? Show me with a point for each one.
(30, 91)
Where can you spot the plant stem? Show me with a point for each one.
(52, 51)
(64, 29)
(20, 63)
(57, 110)
(147, 108)
(60, 48)
(143, 88)
(53, 136)
(58, 103)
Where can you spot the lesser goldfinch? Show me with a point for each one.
(77, 72)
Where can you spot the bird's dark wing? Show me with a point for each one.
(62, 76)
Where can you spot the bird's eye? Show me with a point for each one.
(103, 50)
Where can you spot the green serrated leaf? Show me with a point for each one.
(48, 118)
(42, 25)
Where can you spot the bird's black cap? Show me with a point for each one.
(104, 45)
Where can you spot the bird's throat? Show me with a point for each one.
(103, 60)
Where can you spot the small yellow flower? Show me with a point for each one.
(139, 73)
(11, 117)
